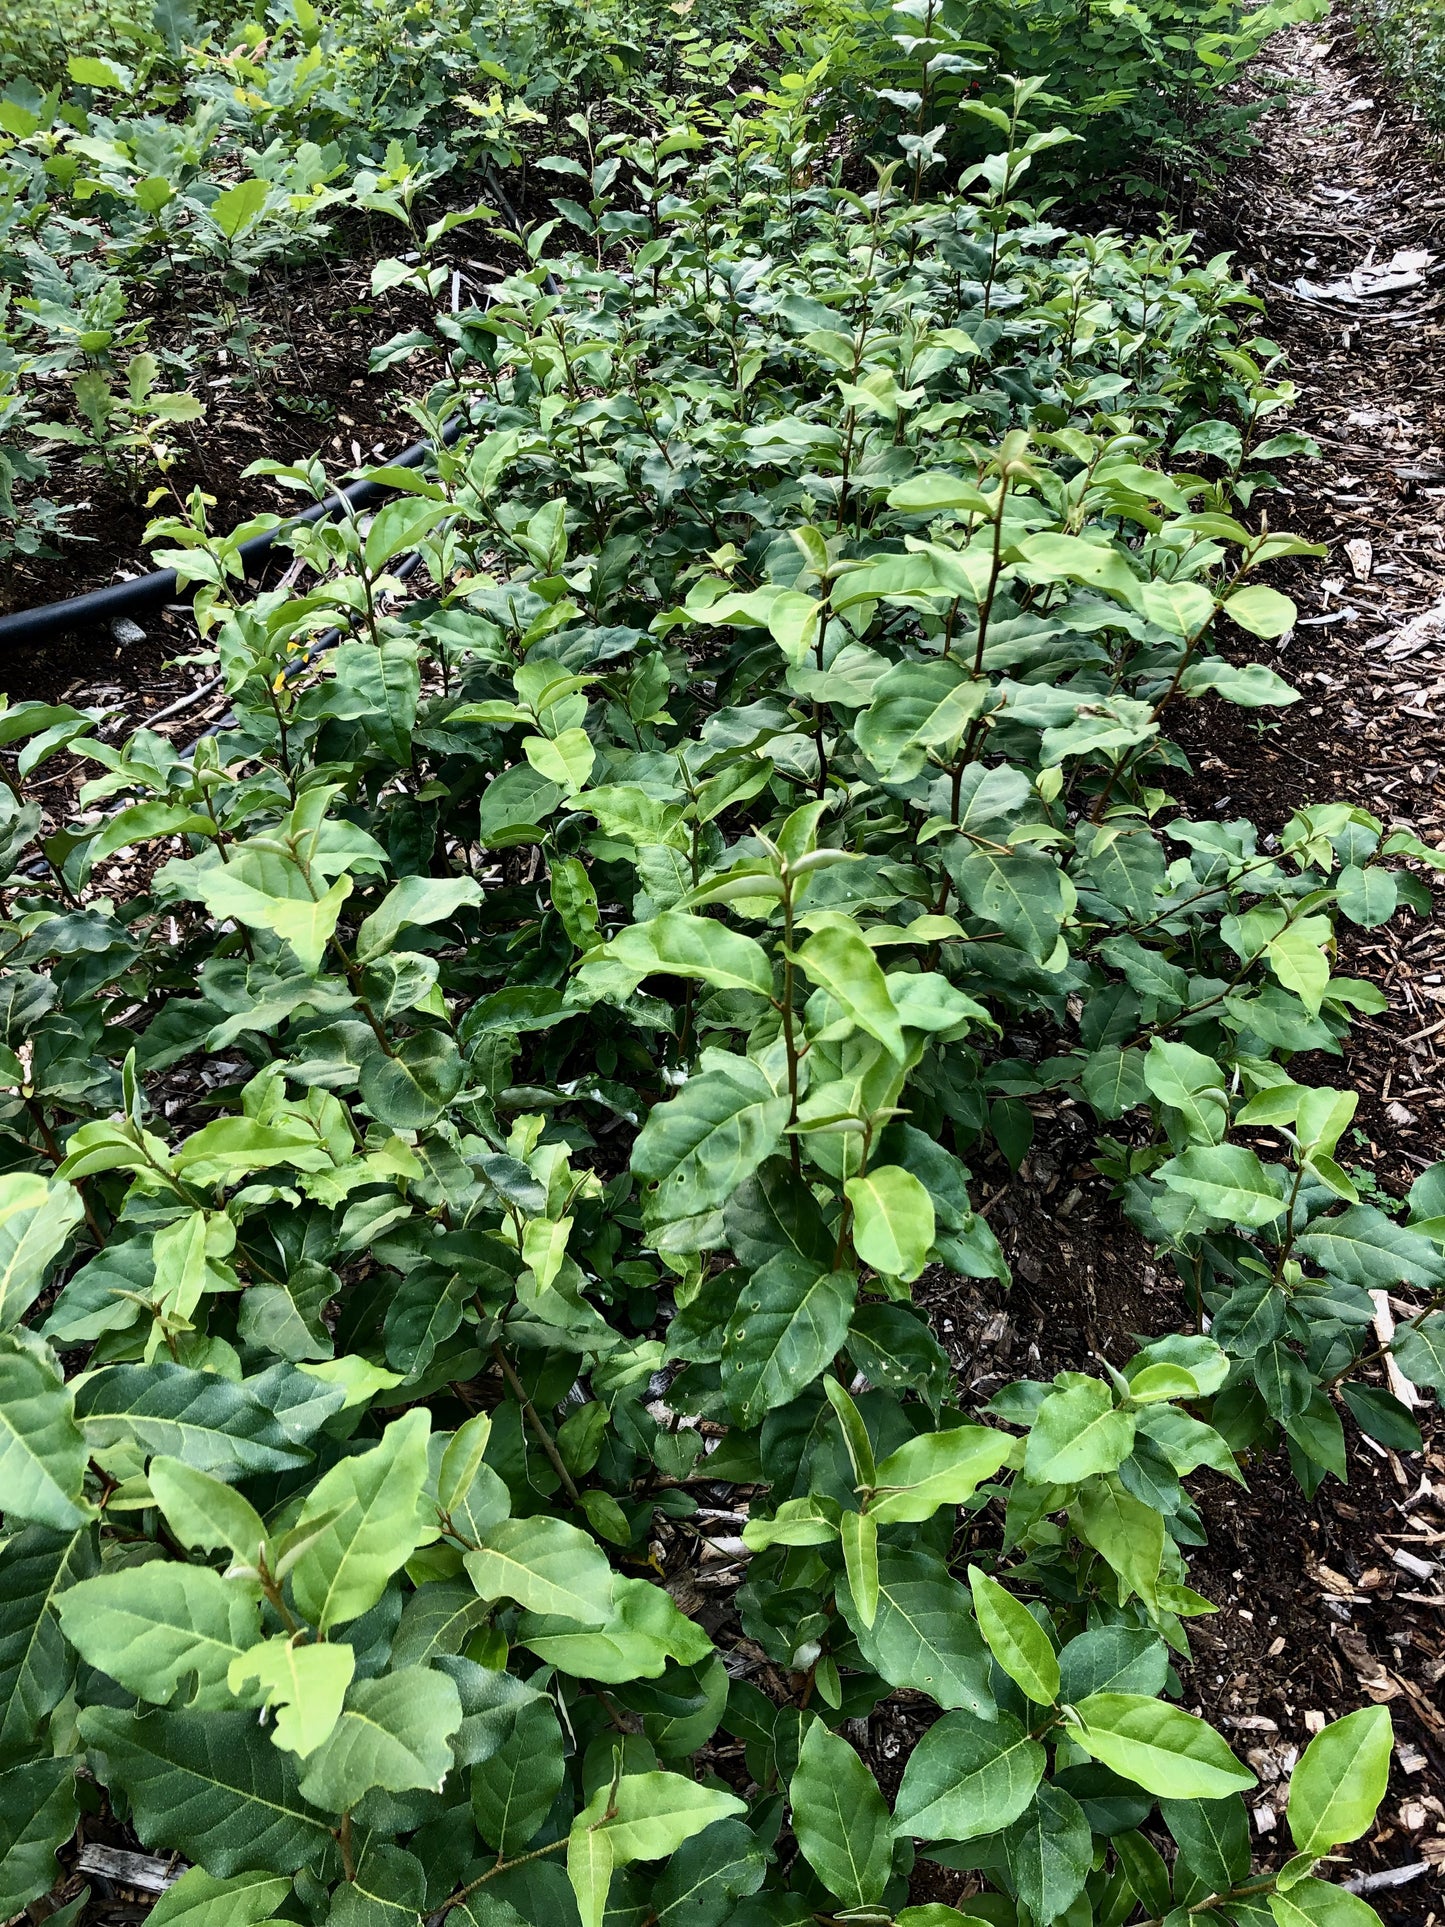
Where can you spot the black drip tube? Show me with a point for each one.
(145, 593)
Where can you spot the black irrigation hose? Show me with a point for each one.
(145, 593)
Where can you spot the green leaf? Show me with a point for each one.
(858, 1532)
(1420, 1351)
(394, 1733)
(1367, 896)
(677, 944)
(1340, 1780)
(307, 1683)
(547, 1566)
(36, 1218)
(840, 1819)
(1262, 611)
(1020, 893)
(1049, 1850)
(789, 1324)
(236, 208)
(228, 1430)
(1016, 1639)
(1363, 1247)
(161, 1626)
(36, 1662)
(1213, 1835)
(967, 1777)
(367, 1512)
(409, 1089)
(37, 1816)
(1076, 1433)
(645, 1817)
(208, 1785)
(42, 1452)
(723, 1863)
(206, 1512)
(514, 1786)
(711, 1137)
(398, 526)
(199, 1900)
(936, 1469)
(1160, 1747)
(1227, 1181)
(923, 1635)
(838, 960)
(1317, 1903)
(1129, 1534)
(893, 1222)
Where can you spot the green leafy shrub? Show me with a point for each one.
(1408, 38)
(492, 1155)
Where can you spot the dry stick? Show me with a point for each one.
(534, 1419)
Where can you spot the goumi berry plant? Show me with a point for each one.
(551, 1042)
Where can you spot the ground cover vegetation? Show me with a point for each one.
(553, 1038)
(157, 175)
(1408, 36)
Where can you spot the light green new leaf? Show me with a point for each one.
(893, 1221)
(156, 1626)
(1160, 1747)
(937, 1469)
(206, 1512)
(236, 208)
(1318, 1903)
(547, 1566)
(1077, 1432)
(677, 944)
(375, 1498)
(1340, 1780)
(840, 1819)
(858, 1532)
(1262, 611)
(199, 1900)
(565, 760)
(1129, 1534)
(35, 1220)
(307, 1683)
(1191, 1084)
(1015, 1638)
(646, 1817)
(967, 1777)
(413, 900)
(42, 1452)
(838, 960)
(1301, 964)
